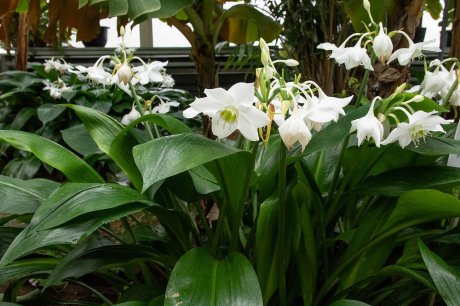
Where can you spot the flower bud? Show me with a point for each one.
(124, 73)
(383, 46)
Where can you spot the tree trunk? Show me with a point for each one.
(455, 47)
(23, 41)
(203, 56)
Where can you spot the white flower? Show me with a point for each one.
(164, 107)
(322, 109)
(168, 81)
(368, 127)
(350, 56)
(230, 110)
(420, 124)
(96, 73)
(149, 73)
(124, 72)
(405, 55)
(59, 65)
(295, 130)
(131, 116)
(383, 46)
(56, 88)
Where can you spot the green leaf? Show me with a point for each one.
(243, 23)
(73, 200)
(140, 7)
(418, 206)
(22, 6)
(359, 16)
(118, 7)
(434, 8)
(349, 303)
(433, 145)
(21, 197)
(168, 9)
(22, 117)
(87, 260)
(74, 168)
(397, 181)
(28, 267)
(200, 279)
(78, 138)
(179, 153)
(48, 112)
(110, 137)
(446, 280)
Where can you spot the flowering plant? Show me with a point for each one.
(288, 206)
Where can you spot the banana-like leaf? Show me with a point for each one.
(243, 23)
(53, 154)
(359, 16)
(22, 197)
(446, 279)
(168, 9)
(200, 279)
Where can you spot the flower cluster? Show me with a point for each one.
(300, 109)
(122, 74)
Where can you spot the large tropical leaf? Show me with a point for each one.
(22, 197)
(53, 154)
(445, 278)
(243, 23)
(200, 279)
(168, 9)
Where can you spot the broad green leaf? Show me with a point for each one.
(168, 156)
(81, 262)
(243, 23)
(74, 168)
(70, 233)
(27, 267)
(73, 200)
(106, 131)
(358, 15)
(434, 7)
(140, 7)
(48, 112)
(7, 235)
(22, 117)
(266, 266)
(348, 302)
(397, 181)
(118, 7)
(445, 278)
(21, 197)
(22, 6)
(200, 279)
(78, 138)
(168, 9)
(418, 206)
(22, 168)
(436, 146)
(169, 123)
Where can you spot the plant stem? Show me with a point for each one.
(203, 220)
(362, 88)
(282, 226)
(446, 99)
(141, 111)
